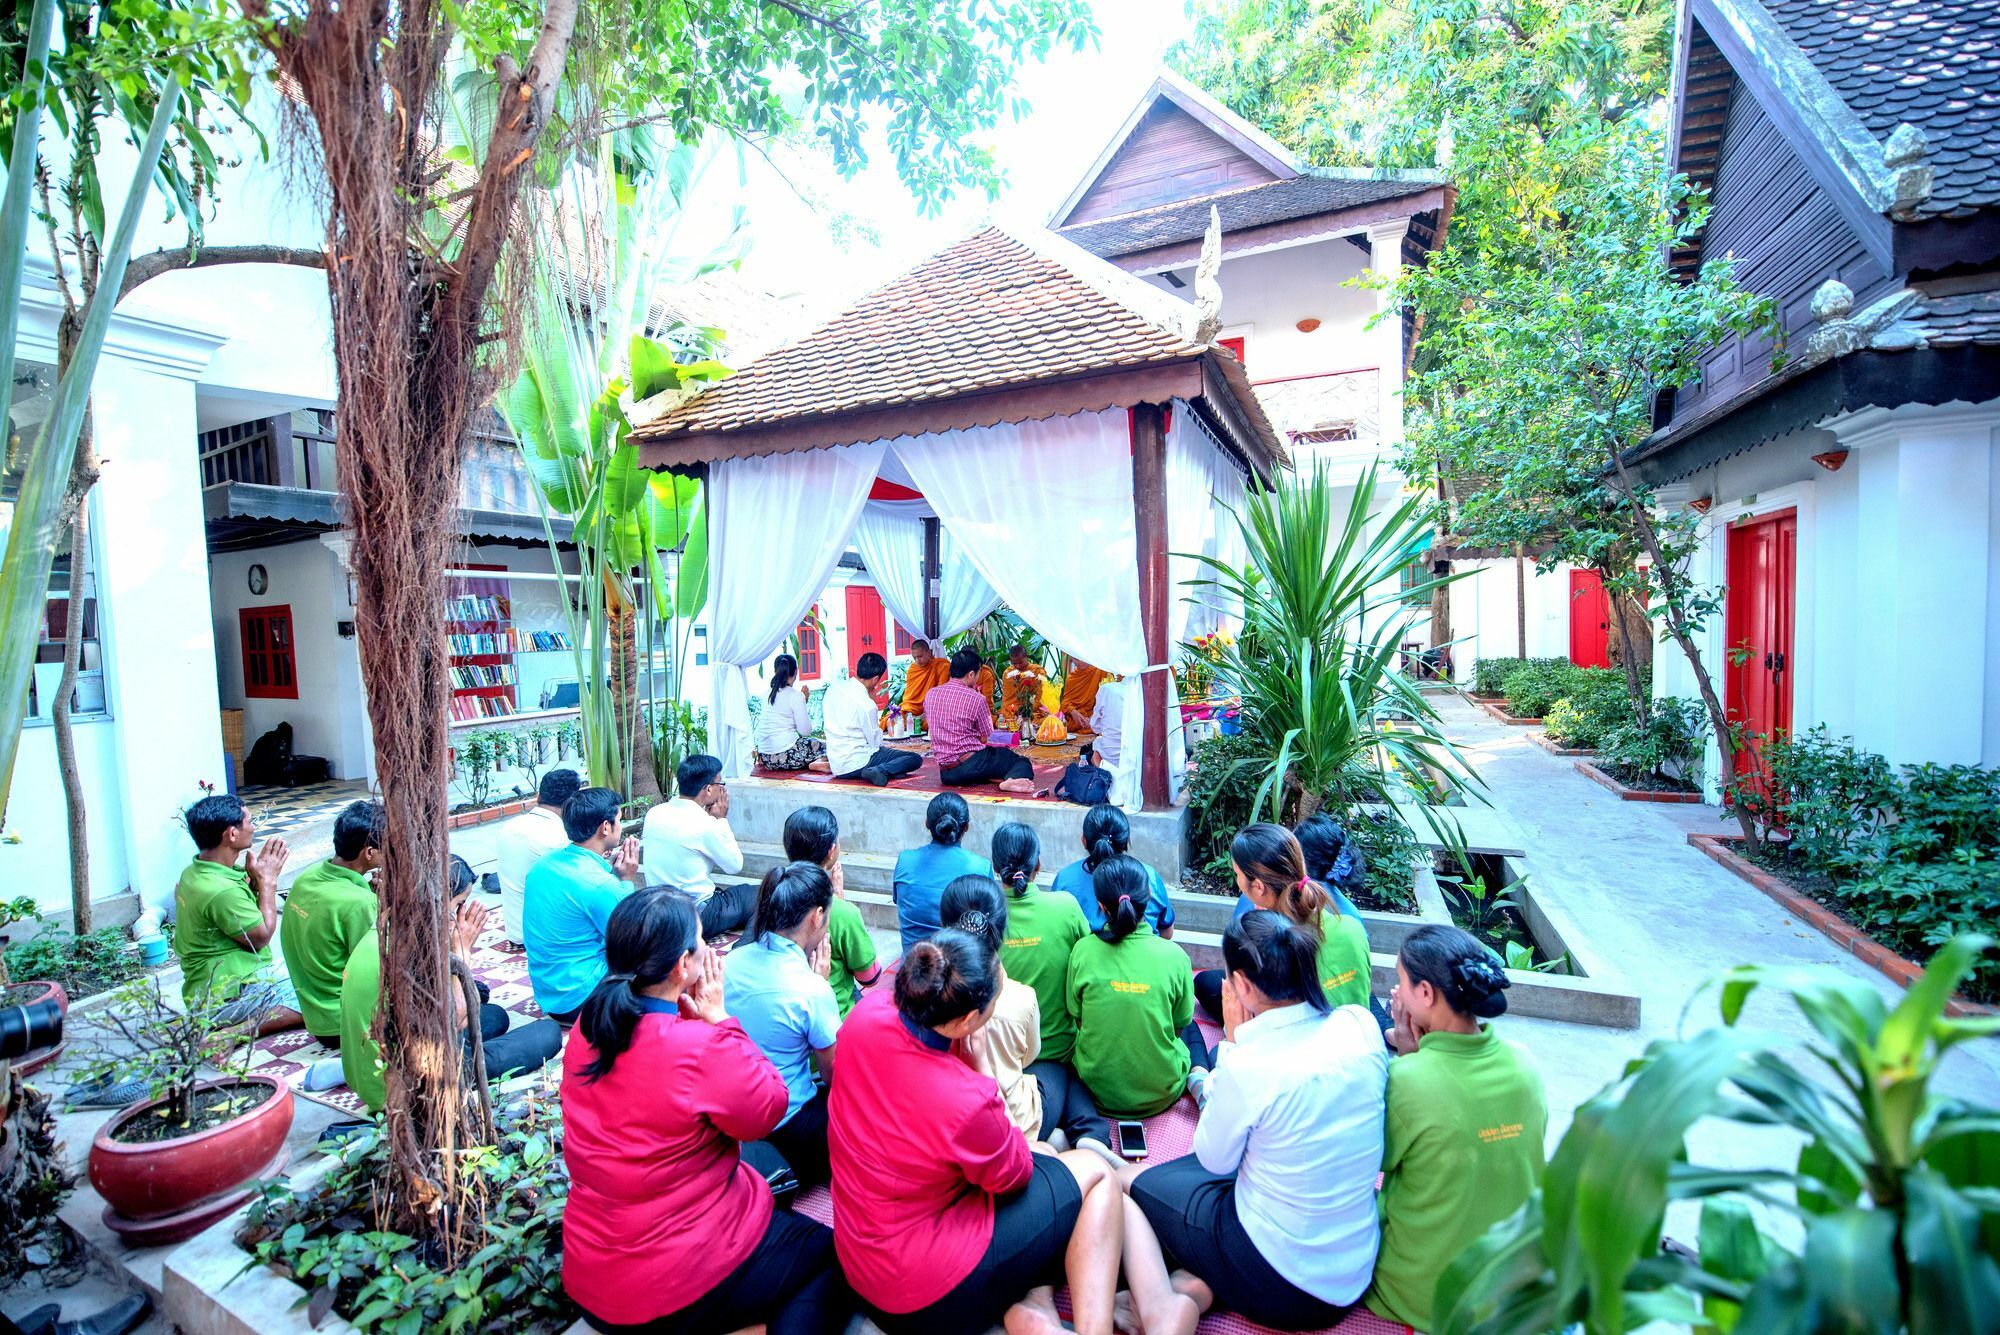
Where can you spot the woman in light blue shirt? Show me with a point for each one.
(1273, 1215)
(923, 873)
(778, 992)
(1106, 834)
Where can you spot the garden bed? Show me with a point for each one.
(1639, 788)
(1557, 748)
(1497, 710)
(513, 806)
(1807, 902)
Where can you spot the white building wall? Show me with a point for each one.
(1485, 613)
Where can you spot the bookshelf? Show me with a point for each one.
(483, 641)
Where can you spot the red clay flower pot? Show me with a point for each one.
(154, 1179)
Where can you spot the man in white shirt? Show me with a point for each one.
(526, 839)
(1107, 720)
(853, 721)
(687, 839)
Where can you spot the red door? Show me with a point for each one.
(864, 624)
(1589, 620)
(1763, 555)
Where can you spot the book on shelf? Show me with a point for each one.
(465, 707)
(475, 607)
(544, 641)
(470, 646)
(469, 676)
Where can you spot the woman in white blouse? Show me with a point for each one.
(783, 738)
(1273, 1215)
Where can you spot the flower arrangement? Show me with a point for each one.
(1199, 657)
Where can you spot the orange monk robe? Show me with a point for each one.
(985, 686)
(917, 684)
(1079, 693)
(1020, 692)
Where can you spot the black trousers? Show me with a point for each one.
(510, 1051)
(802, 1140)
(1197, 1046)
(728, 909)
(989, 764)
(884, 765)
(1031, 1232)
(791, 1284)
(1193, 1211)
(1067, 1104)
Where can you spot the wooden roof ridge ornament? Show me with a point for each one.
(1207, 281)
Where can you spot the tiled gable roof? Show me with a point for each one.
(1933, 63)
(995, 311)
(1248, 206)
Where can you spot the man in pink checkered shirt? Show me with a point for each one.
(961, 720)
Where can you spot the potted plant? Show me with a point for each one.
(192, 1147)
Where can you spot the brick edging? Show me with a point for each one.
(1844, 935)
(1555, 748)
(1596, 775)
(1500, 715)
(465, 819)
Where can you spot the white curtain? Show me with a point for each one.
(1198, 475)
(1042, 511)
(777, 525)
(890, 538)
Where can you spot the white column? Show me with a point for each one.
(1385, 260)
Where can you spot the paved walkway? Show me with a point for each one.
(1659, 913)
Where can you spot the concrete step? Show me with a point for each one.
(864, 871)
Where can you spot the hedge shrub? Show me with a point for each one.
(1489, 675)
(1596, 702)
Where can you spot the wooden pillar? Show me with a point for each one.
(1149, 507)
(933, 578)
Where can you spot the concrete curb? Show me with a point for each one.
(210, 1286)
(1842, 933)
(1598, 776)
(1498, 713)
(499, 811)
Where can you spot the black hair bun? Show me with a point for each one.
(1483, 984)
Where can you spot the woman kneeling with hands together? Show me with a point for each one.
(667, 1228)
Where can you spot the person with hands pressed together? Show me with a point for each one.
(853, 721)
(569, 898)
(225, 915)
(779, 993)
(668, 1227)
(331, 907)
(687, 840)
(1463, 1144)
(812, 834)
(1273, 1215)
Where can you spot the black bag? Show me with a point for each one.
(1084, 784)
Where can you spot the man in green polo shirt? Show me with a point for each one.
(225, 916)
(331, 907)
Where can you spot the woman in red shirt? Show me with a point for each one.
(659, 1087)
(944, 1220)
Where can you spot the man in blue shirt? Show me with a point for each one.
(568, 899)
(778, 992)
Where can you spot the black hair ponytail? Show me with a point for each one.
(974, 906)
(782, 671)
(1122, 890)
(649, 933)
(1106, 834)
(1017, 857)
(1465, 973)
(1272, 952)
(949, 976)
(787, 896)
(810, 834)
(946, 818)
(1272, 854)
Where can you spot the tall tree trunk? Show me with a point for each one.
(1676, 619)
(1623, 616)
(410, 323)
(1441, 624)
(627, 683)
(84, 470)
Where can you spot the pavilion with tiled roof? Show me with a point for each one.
(1061, 422)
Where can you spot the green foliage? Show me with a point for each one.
(338, 1244)
(1535, 685)
(1832, 797)
(1667, 745)
(1596, 702)
(1489, 675)
(476, 754)
(142, 1035)
(1325, 711)
(683, 732)
(84, 965)
(1899, 1191)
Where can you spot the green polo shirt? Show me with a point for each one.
(1461, 1150)
(1043, 927)
(214, 906)
(360, 992)
(328, 912)
(852, 951)
(1343, 959)
(1130, 1002)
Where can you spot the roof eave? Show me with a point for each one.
(1336, 222)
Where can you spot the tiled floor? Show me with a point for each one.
(286, 810)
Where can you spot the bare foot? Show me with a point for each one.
(1125, 1315)
(1017, 785)
(820, 767)
(1033, 1315)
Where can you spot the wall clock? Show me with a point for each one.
(260, 580)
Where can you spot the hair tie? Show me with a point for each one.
(1304, 881)
(1124, 899)
(973, 921)
(619, 978)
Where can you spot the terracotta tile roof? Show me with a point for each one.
(1933, 63)
(1247, 206)
(997, 310)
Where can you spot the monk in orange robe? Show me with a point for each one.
(926, 670)
(1021, 686)
(1079, 694)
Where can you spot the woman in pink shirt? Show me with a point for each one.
(667, 1227)
(944, 1220)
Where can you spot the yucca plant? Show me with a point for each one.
(1890, 1210)
(1316, 665)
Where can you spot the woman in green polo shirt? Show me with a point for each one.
(1462, 1148)
(1132, 998)
(1043, 927)
(1270, 869)
(812, 834)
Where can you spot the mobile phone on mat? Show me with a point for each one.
(1132, 1139)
